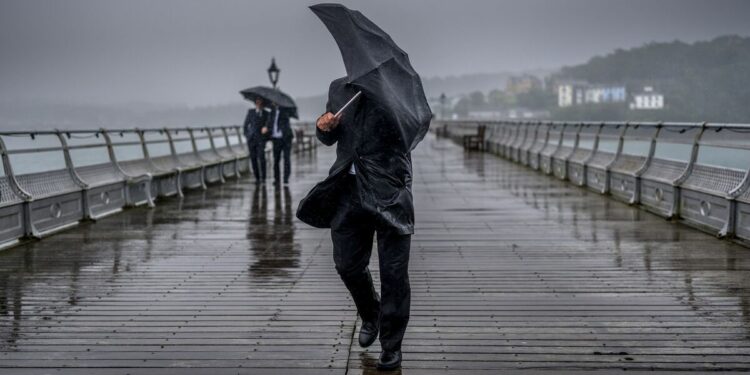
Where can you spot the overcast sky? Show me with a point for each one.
(202, 52)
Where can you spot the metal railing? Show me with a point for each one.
(698, 173)
(51, 180)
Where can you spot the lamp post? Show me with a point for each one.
(442, 106)
(273, 73)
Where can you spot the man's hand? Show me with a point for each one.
(263, 130)
(327, 122)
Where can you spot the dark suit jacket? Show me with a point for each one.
(286, 128)
(253, 125)
(368, 138)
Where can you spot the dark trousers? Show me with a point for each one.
(352, 231)
(281, 147)
(257, 152)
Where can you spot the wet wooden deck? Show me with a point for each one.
(511, 270)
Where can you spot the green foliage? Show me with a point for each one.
(462, 107)
(500, 99)
(476, 99)
(702, 81)
(537, 99)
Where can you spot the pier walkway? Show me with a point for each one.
(512, 272)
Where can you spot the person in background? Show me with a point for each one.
(281, 135)
(256, 134)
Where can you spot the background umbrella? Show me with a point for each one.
(380, 69)
(271, 95)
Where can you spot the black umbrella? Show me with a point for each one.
(271, 95)
(380, 69)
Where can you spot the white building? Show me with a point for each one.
(571, 93)
(647, 99)
(605, 94)
(576, 93)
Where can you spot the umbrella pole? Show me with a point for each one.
(348, 103)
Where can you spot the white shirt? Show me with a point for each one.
(276, 131)
(352, 170)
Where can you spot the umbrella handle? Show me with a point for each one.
(338, 114)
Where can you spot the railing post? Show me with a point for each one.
(620, 141)
(69, 161)
(74, 175)
(211, 140)
(577, 138)
(693, 157)
(192, 141)
(176, 161)
(651, 153)
(197, 157)
(172, 149)
(686, 173)
(231, 149)
(111, 150)
(594, 147)
(142, 138)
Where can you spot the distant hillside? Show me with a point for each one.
(702, 81)
(310, 107)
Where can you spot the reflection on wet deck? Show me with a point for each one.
(510, 270)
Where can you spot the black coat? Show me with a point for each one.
(253, 125)
(286, 128)
(366, 137)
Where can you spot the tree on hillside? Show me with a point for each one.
(702, 81)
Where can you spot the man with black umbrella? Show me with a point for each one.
(382, 116)
(256, 134)
(281, 135)
(356, 222)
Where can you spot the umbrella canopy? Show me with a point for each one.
(271, 95)
(380, 69)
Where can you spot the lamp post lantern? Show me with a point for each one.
(273, 73)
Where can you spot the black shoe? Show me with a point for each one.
(389, 360)
(367, 334)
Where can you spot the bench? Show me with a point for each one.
(607, 148)
(717, 175)
(184, 157)
(12, 216)
(554, 141)
(673, 153)
(303, 142)
(220, 144)
(42, 173)
(239, 147)
(528, 143)
(583, 151)
(494, 135)
(568, 142)
(106, 186)
(638, 144)
(212, 162)
(131, 150)
(523, 132)
(540, 142)
(475, 141)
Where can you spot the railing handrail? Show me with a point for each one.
(604, 123)
(111, 130)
